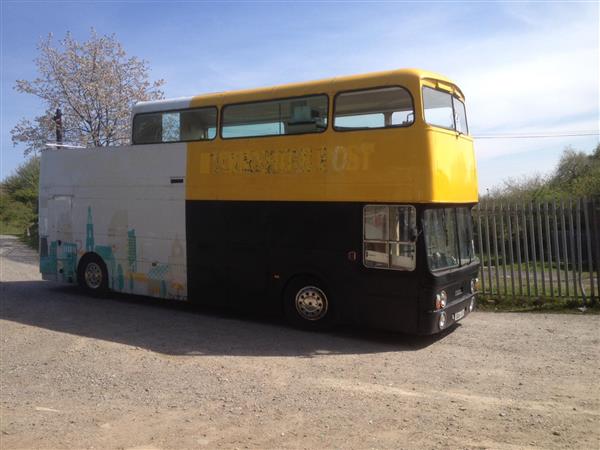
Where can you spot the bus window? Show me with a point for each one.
(274, 118)
(198, 124)
(147, 128)
(465, 235)
(170, 127)
(438, 108)
(444, 110)
(389, 237)
(460, 116)
(373, 108)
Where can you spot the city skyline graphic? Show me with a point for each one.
(127, 271)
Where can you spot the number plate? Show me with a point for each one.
(459, 315)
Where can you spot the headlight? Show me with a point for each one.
(441, 300)
(474, 285)
(442, 321)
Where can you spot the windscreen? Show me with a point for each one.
(448, 237)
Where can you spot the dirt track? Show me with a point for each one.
(78, 372)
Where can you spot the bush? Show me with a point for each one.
(19, 201)
(576, 175)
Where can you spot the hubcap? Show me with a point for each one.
(311, 303)
(93, 275)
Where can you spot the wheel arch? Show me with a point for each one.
(89, 255)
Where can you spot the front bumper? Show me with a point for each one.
(429, 321)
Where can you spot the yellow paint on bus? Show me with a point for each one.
(417, 164)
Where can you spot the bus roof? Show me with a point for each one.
(291, 89)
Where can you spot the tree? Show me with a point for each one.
(576, 175)
(521, 189)
(94, 83)
(596, 154)
(18, 199)
(22, 186)
(572, 165)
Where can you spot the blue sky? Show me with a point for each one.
(524, 67)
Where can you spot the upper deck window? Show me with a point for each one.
(274, 118)
(373, 108)
(444, 110)
(198, 124)
(460, 116)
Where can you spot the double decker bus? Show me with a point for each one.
(345, 199)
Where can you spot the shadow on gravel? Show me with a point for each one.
(181, 329)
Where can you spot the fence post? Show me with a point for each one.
(526, 248)
(588, 240)
(556, 246)
(487, 240)
(549, 249)
(565, 248)
(579, 252)
(573, 257)
(533, 250)
(541, 247)
(496, 271)
(518, 235)
(480, 239)
(510, 250)
(596, 226)
(503, 249)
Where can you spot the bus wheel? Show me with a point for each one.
(307, 304)
(92, 275)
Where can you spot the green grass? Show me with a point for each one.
(526, 304)
(31, 241)
(496, 290)
(10, 229)
(20, 231)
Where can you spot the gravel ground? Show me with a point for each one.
(80, 372)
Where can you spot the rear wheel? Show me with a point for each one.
(308, 305)
(92, 275)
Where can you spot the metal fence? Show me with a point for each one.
(542, 250)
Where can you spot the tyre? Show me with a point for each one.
(308, 305)
(92, 275)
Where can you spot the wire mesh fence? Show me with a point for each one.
(542, 250)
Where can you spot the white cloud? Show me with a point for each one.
(537, 73)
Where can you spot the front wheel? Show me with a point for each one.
(307, 304)
(92, 275)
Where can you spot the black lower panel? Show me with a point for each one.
(242, 254)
